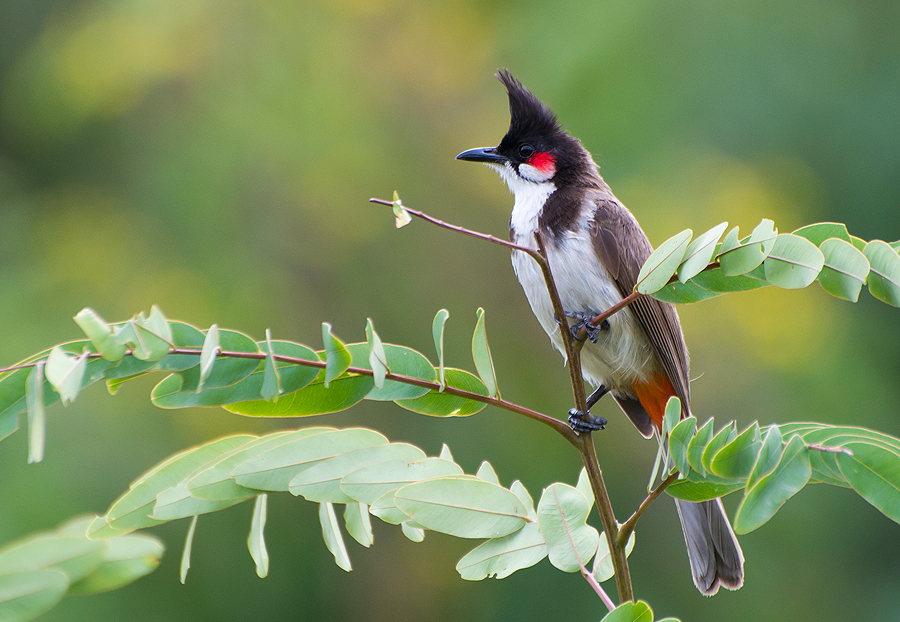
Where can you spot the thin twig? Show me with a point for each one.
(628, 526)
(830, 450)
(554, 423)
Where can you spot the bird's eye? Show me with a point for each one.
(526, 151)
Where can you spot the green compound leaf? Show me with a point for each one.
(630, 612)
(699, 254)
(437, 331)
(271, 387)
(322, 481)
(748, 254)
(337, 358)
(794, 262)
(762, 501)
(662, 264)
(334, 540)
(377, 358)
(26, 595)
(562, 512)
(462, 506)
(500, 557)
(100, 334)
(370, 483)
(256, 541)
(884, 279)
(822, 231)
(481, 353)
(874, 472)
(443, 404)
(845, 269)
(274, 469)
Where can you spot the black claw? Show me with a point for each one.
(582, 422)
(593, 332)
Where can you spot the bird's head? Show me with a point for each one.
(535, 149)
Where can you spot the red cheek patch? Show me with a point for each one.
(544, 161)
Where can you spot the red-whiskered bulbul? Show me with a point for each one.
(596, 248)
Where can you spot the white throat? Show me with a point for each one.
(530, 199)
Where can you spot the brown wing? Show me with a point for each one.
(611, 224)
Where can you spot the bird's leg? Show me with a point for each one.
(584, 320)
(585, 421)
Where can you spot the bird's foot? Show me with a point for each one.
(584, 321)
(582, 422)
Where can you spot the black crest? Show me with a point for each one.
(528, 116)
(533, 123)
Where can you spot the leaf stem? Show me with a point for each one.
(628, 526)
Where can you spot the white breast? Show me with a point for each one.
(623, 353)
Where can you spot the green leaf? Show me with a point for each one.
(895, 245)
(100, 334)
(437, 331)
(179, 390)
(697, 444)
(730, 242)
(711, 487)
(749, 253)
(256, 542)
(322, 481)
(500, 557)
(401, 216)
(443, 404)
(487, 473)
(37, 418)
(313, 399)
(715, 281)
(74, 555)
(722, 438)
(678, 444)
(372, 482)
(274, 469)
(128, 558)
(583, 485)
(662, 263)
(65, 373)
(771, 492)
(845, 269)
(481, 353)
(144, 338)
(524, 496)
(337, 358)
(874, 472)
(859, 243)
(208, 355)
(133, 509)
(562, 512)
(358, 523)
(271, 387)
(630, 612)
(822, 231)
(186, 552)
(462, 506)
(884, 279)
(603, 567)
(736, 459)
(331, 533)
(400, 360)
(683, 293)
(794, 262)
(412, 533)
(214, 482)
(699, 254)
(377, 357)
(26, 595)
(768, 456)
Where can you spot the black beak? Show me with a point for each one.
(488, 155)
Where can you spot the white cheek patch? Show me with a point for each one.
(532, 173)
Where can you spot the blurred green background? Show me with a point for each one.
(216, 158)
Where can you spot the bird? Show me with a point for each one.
(595, 248)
